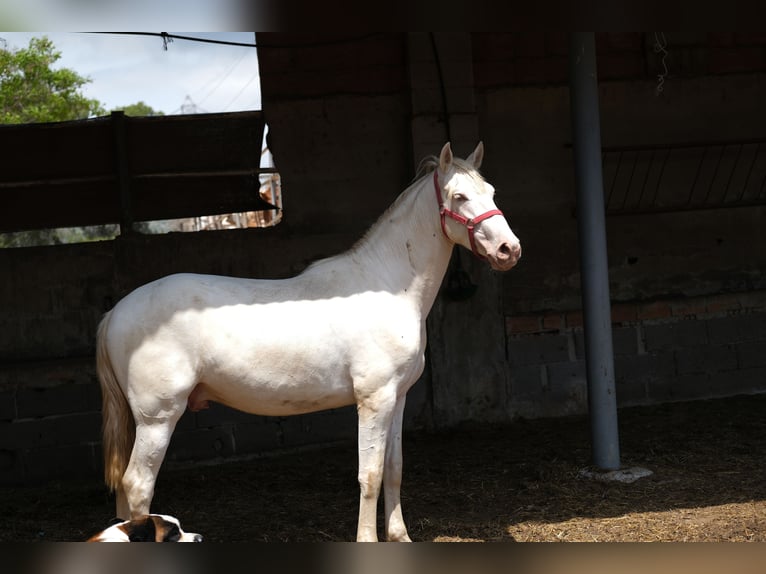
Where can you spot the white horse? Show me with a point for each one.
(350, 329)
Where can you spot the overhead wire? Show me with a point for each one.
(168, 38)
(222, 78)
(250, 81)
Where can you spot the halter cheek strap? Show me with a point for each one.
(470, 224)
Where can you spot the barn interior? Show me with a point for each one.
(349, 117)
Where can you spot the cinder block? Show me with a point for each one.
(675, 335)
(7, 405)
(651, 366)
(201, 444)
(260, 435)
(630, 392)
(624, 341)
(417, 411)
(321, 427)
(465, 132)
(538, 349)
(426, 101)
(11, 467)
(682, 388)
(51, 431)
(737, 329)
(218, 415)
(567, 383)
(47, 401)
(707, 359)
(93, 397)
(751, 354)
(742, 381)
(526, 382)
(71, 461)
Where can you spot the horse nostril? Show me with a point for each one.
(507, 251)
(198, 538)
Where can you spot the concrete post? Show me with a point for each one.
(594, 272)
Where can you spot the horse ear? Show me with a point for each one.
(445, 157)
(477, 156)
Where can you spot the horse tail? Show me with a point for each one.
(118, 427)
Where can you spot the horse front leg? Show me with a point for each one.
(375, 414)
(396, 531)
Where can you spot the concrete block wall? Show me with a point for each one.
(666, 350)
(50, 421)
(50, 428)
(676, 279)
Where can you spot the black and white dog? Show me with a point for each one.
(147, 528)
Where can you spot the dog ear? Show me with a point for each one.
(141, 530)
(168, 529)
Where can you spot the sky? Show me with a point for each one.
(187, 77)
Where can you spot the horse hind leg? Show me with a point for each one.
(151, 444)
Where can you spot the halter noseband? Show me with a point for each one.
(470, 224)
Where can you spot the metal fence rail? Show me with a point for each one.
(684, 176)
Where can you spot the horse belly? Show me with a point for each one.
(280, 374)
(275, 396)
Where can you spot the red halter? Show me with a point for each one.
(470, 224)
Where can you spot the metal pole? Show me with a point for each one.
(594, 271)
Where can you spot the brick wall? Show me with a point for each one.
(665, 350)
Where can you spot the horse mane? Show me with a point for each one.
(427, 165)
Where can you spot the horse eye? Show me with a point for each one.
(459, 197)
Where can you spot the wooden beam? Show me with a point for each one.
(120, 169)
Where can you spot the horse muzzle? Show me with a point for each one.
(505, 257)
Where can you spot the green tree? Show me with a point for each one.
(140, 109)
(32, 91)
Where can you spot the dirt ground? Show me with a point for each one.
(516, 482)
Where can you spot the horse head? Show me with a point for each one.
(469, 216)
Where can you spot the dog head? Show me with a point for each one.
(147, 528)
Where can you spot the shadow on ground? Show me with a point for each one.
(491, 483)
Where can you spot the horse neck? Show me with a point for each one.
(406, 247)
